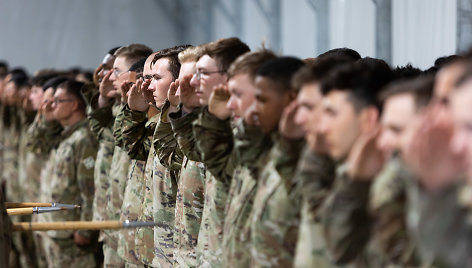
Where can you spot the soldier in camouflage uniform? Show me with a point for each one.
(5, 221)
(5, 238)
(158, 179)
(16, 89)
(101, 123)
(189, 198)
(346, 216)
(273, 222)
(110, 91)
(438, 153)
(215, 59)
(133, 185)
(29, 167)
(314, 176)
(231, 154)
(72, 179)
(136, 138)
(43, 137)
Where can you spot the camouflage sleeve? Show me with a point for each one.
(118, 128)
(214, 139)
(85, 162)
(99, 118)
(90, 94)
(43, 135)
(315, 176)
(135, 134)
(346, 219)
(391, 241)
(286, 153)
(165, 144)
(5, 233)
(183, 132)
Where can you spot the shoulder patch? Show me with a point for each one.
(89, 162)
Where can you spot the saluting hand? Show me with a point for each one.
(172, 95)
(187, 94)
(217, 104)
(107, 91)
(136, 99)
(287, 126)
(429, 154)
(365, 159)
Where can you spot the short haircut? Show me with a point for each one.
(73, 87)
(344, 51)
(466, 75)
(362, 80)
(113, 50)
(3, 69)
(280, 70)
(172, 55)
(445, 60)
(249, 62)
(421, 87)
(133, 53)
(225, 51)
(42, 77)
(54, 82)
(19, 77)
(407, 71)
(316, 70)
(190, 54)
(138, 66)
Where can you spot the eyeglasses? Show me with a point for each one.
(199, 74)
(117, 74)
(56, 101)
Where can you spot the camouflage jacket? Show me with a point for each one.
(315, 175)
(42, 135)
(190, 197)
(29, 163)
(119, 171)
(72, 176)
(214, 140)
(364, 221)
(5, 234)
(250, 152)
(101, 123)
(137, 139)
(11, 142)
(274, 221)
(164, 187)
(439, 222)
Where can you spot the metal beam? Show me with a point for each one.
(464, 26)
(176, 12)
(272, 15)
(383, 29)
(234, 16)
(322, 12)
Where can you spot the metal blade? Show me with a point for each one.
(136, 224)
(39, 210)
(68, 206)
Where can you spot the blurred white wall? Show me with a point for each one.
(423, 30)
(63, 34)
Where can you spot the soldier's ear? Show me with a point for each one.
(75, 105)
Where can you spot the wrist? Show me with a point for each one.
(186, 109)
(103, 101)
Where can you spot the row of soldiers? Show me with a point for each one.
(244, 159)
